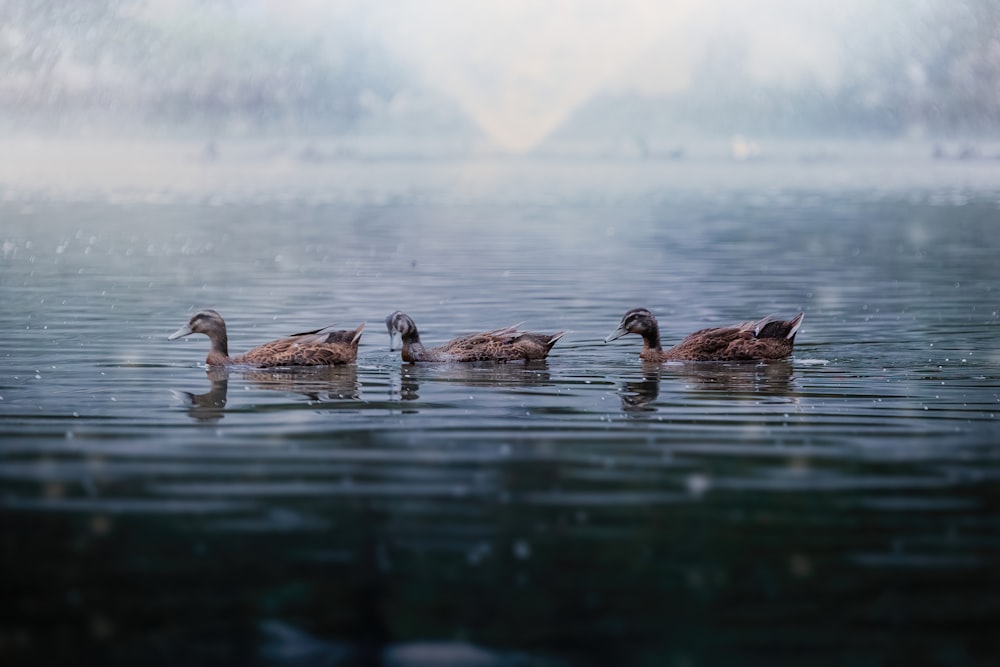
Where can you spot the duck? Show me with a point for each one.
(507, 344)
(764, 339)
(321, 347)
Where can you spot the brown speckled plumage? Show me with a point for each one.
(767, 338)
(322, 347)
(506, 344)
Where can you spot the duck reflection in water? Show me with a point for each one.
(475, 374)
(636, 396)
(321, 383)
(211, 405)
(750, 379)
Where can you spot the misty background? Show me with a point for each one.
(633, 78)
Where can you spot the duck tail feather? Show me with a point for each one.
(357, 333)
(553, 338)
(796, 322)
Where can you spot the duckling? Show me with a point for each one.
(767, 338)
(322, 347)
(506, 344)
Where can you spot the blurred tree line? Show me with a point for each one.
(920, 67)
(932, 64)
(911, 68)
(108, 60)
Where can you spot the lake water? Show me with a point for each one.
(840, 508)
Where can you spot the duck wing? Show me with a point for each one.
(766, 338)
(707, 344)
(757, 349)
(321, 347)
(535, 345)
(476, 347)
(506, 344)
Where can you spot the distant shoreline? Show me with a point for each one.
(380, 170)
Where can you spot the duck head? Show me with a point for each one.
(206, 322)
(402, 329)
(636, 321)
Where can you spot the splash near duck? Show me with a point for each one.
(759, 340)
(321, 347)
(507, 344)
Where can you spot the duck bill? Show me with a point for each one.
(395, 340)
(180, 333)
(616, 334)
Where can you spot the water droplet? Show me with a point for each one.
(698, 484)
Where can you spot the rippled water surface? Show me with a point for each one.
(838, 508)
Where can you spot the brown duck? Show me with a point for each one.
(507, 344)
(768, 338)
(322, 347)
